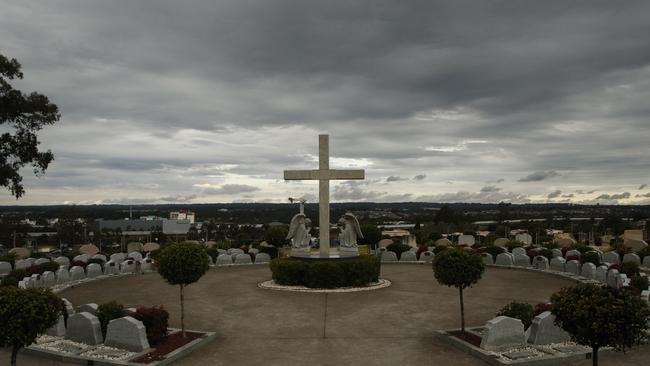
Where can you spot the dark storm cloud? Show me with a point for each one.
(643, 186)
(554, 194)
(539, 176)
(490, 189)
(394, 178)
(470, 92)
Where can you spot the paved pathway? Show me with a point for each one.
(392, 326)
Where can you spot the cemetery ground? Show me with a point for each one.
(391, 326)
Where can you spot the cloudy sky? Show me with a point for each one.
(208, 101)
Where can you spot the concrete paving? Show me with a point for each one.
(391, 326)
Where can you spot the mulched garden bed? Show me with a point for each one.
(470, 338)
(171, 343)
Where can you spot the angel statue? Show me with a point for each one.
(350, 231)
(299, 234)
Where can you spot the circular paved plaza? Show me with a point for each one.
(391, 326)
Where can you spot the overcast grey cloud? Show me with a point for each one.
(195, 100)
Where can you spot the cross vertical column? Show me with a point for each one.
(324, 195)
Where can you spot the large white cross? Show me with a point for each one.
(323, 175)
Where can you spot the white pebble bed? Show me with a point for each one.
(271, 285)
(108, 353)
(60, 344)
(539, 350)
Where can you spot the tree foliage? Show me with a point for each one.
(276, 235)
(601, 316)
(25, 114)
(25, 314)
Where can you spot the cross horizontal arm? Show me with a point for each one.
(329, 174)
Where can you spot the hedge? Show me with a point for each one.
(357, 272)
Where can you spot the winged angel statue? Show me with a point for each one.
(299, 232)
(350, 231)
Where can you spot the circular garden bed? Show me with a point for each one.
(325, 273)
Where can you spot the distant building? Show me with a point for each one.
(401, 236)
(183, 215)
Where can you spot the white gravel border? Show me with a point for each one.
(271, 285)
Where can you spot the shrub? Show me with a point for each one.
(156, 320)
(439, 248)
(9, 281)
(9, 257)
(519, 310)
(546, 253)
(601, 316)
(358, 271)
(630, 269)
(643, 252)
(542, 307)
(640, 282)
(581, 248)
(398, 249)
(212, 252)
(107, 312)
(590, 257)
(573, 258)
(81, 264)
(25, 314)
(494, 250)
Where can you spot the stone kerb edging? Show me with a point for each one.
(271, 285)
(566, 275)
(183, 351)
(64, 286)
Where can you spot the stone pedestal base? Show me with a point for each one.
(348, 252)
(300, 252)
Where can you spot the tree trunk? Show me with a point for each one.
(14, 354)
(462, 311)
(182, 313)
(594, 355)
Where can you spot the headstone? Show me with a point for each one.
(544, 331)
(262, 258)
(134, 246)
(611, 277)
(501, 242)
(621, 280)
(221, 251)
(601, 274)
(503, 332)
(128, 266)
(612, 257)
(77, 273)
(21, 264)
(152, 247)
(635, 245)
(632, 257)
(443, 242)
(135, 256)
(37, 282)
(588, 270)
(127, 333)
(84, 328)
(243, 258)
(408, 257)
(645, 296)
(62, 276)
(30, 261)
(94, 270)
(427, 257)
(646, 261)
(572, 266)
(558, 264)
(111, 268)
(388, 256)
(540, 262)
(505, 259)
(99, 256)
(21, 253)
(147, 265)
(89, 249)
(58, 329)
(522, 260)
(253, 251)
(518, 251)
(49, 279)
(556, 253)
(572, 253)
(524, 238)
(68, 306)
(89, 308)
(81, 258)
(466, 240)
(232, 251)
(224, 259)
(5, 268)
(63, 261)
(487, 258)
(40, 261)
(118, 257)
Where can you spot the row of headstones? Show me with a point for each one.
(117, 258)
(76, 273)
(601, 273)
(83, 326)
(505, 332)
(388, 256)
(609, 257)
(239, 257)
